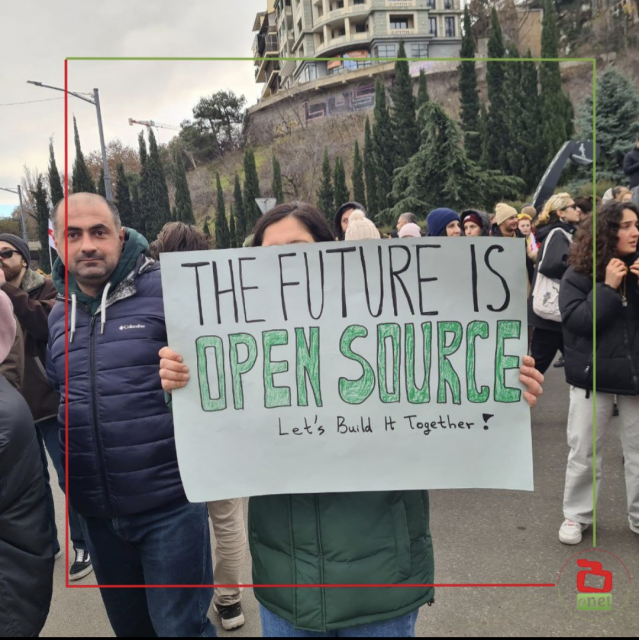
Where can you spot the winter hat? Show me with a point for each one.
(529, 211)
(361, 228)
(337, 220)
(472, 216)
(410, 230)
(19, 244)
(503, 212)
(439, 219)
(7, 326)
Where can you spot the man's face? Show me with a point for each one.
(345, 216)
(14, 266)
(512, 224)
(95, 245)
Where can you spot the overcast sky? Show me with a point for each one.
(37, 36)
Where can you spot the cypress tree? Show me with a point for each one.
(221, 227)
(556, 109)
(232, 230)
(55, 183)
(183, 203)
(370, 176)
(138, 214)
(325, 193)
(142, 149)
(238, 207)
(422, 91)
(154, 196)
(342, 194)
(384, 149)
(515, 104)
(469, 94)
(403, 120)
(42, 214)
(496, 143)
(82, 180)
(251, 190)
(357, 177)
(123, 198)
(278, 191)
(529, 138)
(100, 186)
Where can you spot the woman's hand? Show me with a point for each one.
(533, 380)
(616, 271)
(174, 374)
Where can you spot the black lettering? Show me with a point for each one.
(342, 252)
(243, 289)
(220, 292)
(285, 284)
(381, 282)
(308, 285)
(196, 266)
(500, 249)
(421, 280)
(395, 275)
(473, 264)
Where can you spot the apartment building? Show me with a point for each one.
(352, 33)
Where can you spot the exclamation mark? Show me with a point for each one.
(487, 417)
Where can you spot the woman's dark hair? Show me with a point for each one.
(306, 214)
(608, 222)
(177, 236)
(584, 203)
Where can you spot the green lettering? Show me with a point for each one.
(274, 396)
(415, 395)
(355, 391)
(385, 331)
(506, 330)
(475, 330)
(308, 365)
(203, 344)
(238, 369)
(447, 375)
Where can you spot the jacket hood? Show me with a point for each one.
(134, 245)
(337, 220)
(542, 232)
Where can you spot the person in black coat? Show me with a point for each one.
(555, 228)
(617, 357)
(26, 539)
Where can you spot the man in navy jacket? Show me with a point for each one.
(123, 475)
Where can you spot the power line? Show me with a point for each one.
(11, 104)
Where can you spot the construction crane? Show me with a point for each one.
(159, 125)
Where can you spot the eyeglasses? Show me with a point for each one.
(5, 254)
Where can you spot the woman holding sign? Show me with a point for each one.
(617, 299)
(339, 538)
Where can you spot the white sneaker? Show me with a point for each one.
(634, 527)
(571, 532)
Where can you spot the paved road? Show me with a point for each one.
(479, 536)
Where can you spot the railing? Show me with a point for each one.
(402, 32)
(353, 11)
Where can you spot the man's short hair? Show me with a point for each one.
(409, 217)
(112, 208)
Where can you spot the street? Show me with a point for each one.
(479, 537)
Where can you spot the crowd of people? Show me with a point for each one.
(101, 342)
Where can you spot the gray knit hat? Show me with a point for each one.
(21, 246)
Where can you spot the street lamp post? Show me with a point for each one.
(25, 236)
(96, 103)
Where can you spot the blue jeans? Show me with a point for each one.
(170, 545)
(49, 437)
(273, 626)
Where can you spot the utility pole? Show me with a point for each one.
(95, 101)
(25, 236)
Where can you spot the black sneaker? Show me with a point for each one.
(82, 566)
(560, 363)
(232, 616)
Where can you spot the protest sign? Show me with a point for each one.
(360, 366)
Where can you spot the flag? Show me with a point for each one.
(51, 237)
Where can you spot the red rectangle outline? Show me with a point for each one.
(66, 427)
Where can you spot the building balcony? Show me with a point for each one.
(336, 43)
(400, 33)
(400, 4)
(339, 15)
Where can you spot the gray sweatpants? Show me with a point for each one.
(578, 498)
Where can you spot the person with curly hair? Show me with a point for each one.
(617, 324)
(554, 229)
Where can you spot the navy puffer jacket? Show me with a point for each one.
(122, 458)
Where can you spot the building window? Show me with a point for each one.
(400, 22)
(431, 4)
(419, 51)
(432, 23)
(361, 28)
(356, 2)
(450, 27)
(309, 73)
(448, 4)
(387, 51)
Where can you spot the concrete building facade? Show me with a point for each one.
(352, 33)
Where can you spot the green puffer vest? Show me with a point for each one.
(342, 538)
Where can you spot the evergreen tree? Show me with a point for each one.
(123, 198)
(617, 121)
(55, 183)
(222, 240)
(154, 194)
(357, 177)
(342, 194)
(325, 193)
(142, 149)
(469, 94)
(278, 191)
(529, 138)
(515, 104)
(251, 190)
(138, 214)
(496, 140)
(384, 150)
(422, 91)
(183, 203)
(100, 186)
(370, 175)
(232, 230)
(42, 214)
(403, 120)
(440, 174)
(82, 180)
(242, 229)
(556, 109)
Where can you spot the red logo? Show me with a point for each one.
(595, 569)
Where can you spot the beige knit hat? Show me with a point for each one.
(503, 211)
(361, 228)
